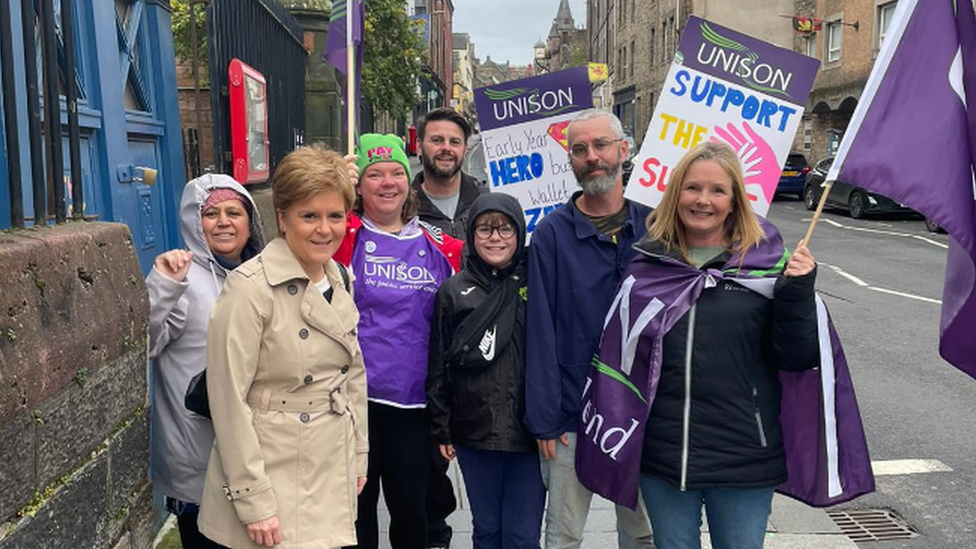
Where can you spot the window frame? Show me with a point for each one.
(880, 28)
(833, 28)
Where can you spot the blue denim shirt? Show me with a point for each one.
(574, 271)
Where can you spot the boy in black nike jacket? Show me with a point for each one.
(476, 379)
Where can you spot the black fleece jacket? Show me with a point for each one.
(480, 403)
(740, 342)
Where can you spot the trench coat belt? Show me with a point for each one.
(333, 401)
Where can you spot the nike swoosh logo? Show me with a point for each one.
(467, 291)
(487, 345)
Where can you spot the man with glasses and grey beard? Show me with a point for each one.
(576, 259)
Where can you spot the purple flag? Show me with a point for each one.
(335, 42)
(826, 452)
(913, 139)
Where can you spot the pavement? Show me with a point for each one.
(792, 525)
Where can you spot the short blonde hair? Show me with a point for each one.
(742, 228)
(309, 171)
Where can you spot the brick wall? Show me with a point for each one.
(184, 82)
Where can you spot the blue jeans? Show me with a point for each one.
(736, 516)
(507, 497)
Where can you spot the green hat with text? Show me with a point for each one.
(374, 148)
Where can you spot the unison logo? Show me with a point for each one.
(529, 102)
(738, 60)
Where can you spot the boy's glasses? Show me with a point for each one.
(484, 231)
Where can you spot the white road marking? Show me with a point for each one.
(864, 284)
(909, 296)
(930, 241)
(908, 467)
(879, 231)
(847, 275)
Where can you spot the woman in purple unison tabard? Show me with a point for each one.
(398, 266)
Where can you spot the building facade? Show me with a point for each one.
(602, 46)
(638, 39)
(463, 62)
(848, 42)
(566, 46)
(437, 83)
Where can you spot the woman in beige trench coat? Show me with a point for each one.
(286, 379)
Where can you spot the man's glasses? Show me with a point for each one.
(601, 145)
(484, 231)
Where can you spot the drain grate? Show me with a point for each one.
(868, 525)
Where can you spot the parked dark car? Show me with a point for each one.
(794, 175)
(855, 200)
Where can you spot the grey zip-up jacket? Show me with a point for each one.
(178, 316)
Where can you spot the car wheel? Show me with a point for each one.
(810, 199)
(933, 227)
(857, 204)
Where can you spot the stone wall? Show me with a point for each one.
(73, 412)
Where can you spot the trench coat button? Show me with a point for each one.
(292, 289)
(303, 333)
(344, 369)
(303, 417)
(308, 380)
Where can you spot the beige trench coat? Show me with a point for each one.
(287, 391)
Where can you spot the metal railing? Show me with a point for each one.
(262, 34)
(51, 180)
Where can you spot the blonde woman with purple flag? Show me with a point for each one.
(714, 322)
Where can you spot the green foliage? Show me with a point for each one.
(393, 56)
(181, 31)
(81, 377)
(578, 56)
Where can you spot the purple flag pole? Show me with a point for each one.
(912, 138)
(343, 50)
(350, 85)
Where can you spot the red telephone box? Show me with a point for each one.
(248, 123)
(412, 140)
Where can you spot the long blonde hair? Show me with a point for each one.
(742, 229)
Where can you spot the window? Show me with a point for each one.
(632, 61)
(833, 41)
(653, 42)
(674, 43)
(664, 41)
(807, 134)
(623, 63)
(885, 12)
(810, 46)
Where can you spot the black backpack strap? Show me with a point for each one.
(345, 275)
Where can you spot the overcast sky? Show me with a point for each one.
(507, 29)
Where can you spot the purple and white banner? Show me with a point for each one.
(913, 139)
(523, 134)
(728, 87)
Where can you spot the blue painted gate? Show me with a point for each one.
(128, 113)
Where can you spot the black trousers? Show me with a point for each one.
(186, 519)
(440, 500)
(399, 461)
